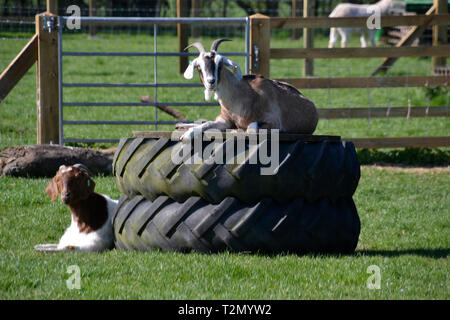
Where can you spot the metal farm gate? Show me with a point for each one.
(155, 22)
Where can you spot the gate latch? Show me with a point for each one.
(255, 57)
(49, 23)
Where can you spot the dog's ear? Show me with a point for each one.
(52, 189)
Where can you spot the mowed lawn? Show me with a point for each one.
(405, 231)
(405, 221)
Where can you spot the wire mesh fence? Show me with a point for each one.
(167, 8)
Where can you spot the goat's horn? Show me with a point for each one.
(198, 45)
(216, 43)
(82, 167)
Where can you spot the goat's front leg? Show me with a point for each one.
(253, 127)
(219, 124)
(70, 247)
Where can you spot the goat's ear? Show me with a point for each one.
(90, 185)
(52, 189)
(86, 186)
(189, 73)
(234, 66)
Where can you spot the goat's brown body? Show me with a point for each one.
(88, 208)
(270, 103)
(90, 228)
(91, 213)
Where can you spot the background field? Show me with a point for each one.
(18, 112)
(404, 213)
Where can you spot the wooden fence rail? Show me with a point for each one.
(262, 53)
(359, 22)
(339, 53)
(369, 82)
(383, 112)
(18, 67)
(400, 142)
(261, 41)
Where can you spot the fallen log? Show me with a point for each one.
(174, 113)
(44, 160)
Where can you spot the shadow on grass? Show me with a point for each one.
(406, 157)
(438, 253)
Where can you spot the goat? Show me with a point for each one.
(249, 102)
(357, 10)
(91, 227)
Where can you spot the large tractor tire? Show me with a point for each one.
(311, 168)
(264, 226)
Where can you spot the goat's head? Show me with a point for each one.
(72, 182)
(209, 64)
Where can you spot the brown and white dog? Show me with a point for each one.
(91, 228)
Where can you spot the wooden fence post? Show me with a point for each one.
(182, 30)
(47, 80)
(195, 9)
(295, 8)
(52, 7)
(440, 34)
(308, 38)
(92, 13)
(260, 44)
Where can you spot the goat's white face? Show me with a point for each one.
(209, 64)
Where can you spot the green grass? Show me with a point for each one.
(404, 214)
(405, 231)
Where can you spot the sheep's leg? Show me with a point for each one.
(344, 36)
(362, 38)
(219, 124)
(372, 34)
(333, 38)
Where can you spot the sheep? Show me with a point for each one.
(248, 102)
(357, 10)
(91, 227)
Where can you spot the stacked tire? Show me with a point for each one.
(305, 206)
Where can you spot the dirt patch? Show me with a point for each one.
(44, 160)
